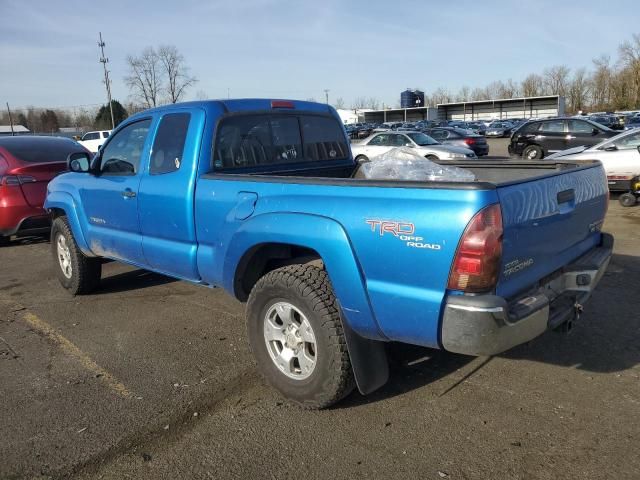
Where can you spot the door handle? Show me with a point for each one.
(128, 193)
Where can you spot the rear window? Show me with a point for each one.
(267, 140)
(40, 150)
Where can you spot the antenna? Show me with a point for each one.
(104, 60)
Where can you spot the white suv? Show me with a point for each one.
(92, 141)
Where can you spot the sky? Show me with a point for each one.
(297, 49)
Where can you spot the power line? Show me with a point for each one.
(104, 60)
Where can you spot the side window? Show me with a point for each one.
(629, 142)
(168, 146)
(439, 134)
(121, 155)
(105, 134)
(552, 126)
(530, 127)
(379, 140)
(91, 136)
(578, 126)
(399, 140)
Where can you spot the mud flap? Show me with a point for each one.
(368, 360)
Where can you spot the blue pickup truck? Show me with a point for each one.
(263, 198)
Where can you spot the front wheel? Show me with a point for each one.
(4, 241)
(76, 272)
(361, 159)
(627, 199)
(532, 152)
(296, 336)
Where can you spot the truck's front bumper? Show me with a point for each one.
(489, 324)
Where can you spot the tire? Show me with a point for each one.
(627, 199)
(532, 152)
(361, 159)
(76, 272)
(4, 241)
(325, 377)
(433, 158)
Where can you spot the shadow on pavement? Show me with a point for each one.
(605, 340)
(132, 280)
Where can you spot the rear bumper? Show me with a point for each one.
(489, 324)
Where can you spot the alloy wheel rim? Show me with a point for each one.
(290, 340)
(64, 256)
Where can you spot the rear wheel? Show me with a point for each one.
(532, 152)
(627, 199)
(4, 241)
(76, 272)
(295, 333)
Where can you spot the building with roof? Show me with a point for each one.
(17, 130)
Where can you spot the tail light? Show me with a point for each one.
(282, 104)
(469, 141)
(10, 180)
(477, 262)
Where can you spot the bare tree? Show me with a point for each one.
(556, 80)
(175, 71)
(463, 95)
(601, 82)
(339, 103)
(145, 77)
(630, 57)
(441, 95)
(358, 103)
(532, 85)
(372, 103)
(578, 90)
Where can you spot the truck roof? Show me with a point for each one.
(244, 104)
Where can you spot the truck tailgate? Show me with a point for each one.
(548, 222)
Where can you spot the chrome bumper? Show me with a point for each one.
(489, 324)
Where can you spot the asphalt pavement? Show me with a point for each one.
(152, 378)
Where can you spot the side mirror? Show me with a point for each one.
(595, 131)
(610, 148)
(78, 162)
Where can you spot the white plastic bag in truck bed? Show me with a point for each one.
(403, 163)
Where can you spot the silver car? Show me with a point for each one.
(429, 148)
(620, 155)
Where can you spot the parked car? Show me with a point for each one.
(331, 267)
(478, 128)
(460, 138)
(499, 129)
(619, 155)
(632, 122)
(427, 147)
(27, 163)
(537, 139)
(609, 121)
(92, 141)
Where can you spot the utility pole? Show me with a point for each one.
(326, 95)
(104, 60)
(10, 120)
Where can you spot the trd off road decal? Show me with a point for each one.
(404, 231)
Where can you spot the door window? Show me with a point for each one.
(121, 155)
(379, 140)
(629, 142)
(91, 136)
(553, 126)
(399, 140)
(168, 146)
(578, 126)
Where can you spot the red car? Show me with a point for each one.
(27, 164)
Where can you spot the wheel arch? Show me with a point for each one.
(60, 204)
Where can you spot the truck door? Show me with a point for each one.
(109, 198)
(166, 199)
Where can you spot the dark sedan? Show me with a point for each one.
(461, 138)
